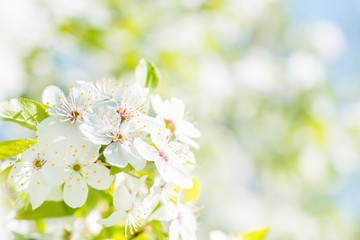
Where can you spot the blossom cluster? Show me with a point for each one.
(97, 126)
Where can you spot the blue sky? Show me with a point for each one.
(346, 13)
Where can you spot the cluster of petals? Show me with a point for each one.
(112, 116)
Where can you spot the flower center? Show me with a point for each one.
(170, 125)
(77, 167)
(124, 114)
(75, 115)
(118, 137)
(163, 155)
(163, 187)
(38, 163)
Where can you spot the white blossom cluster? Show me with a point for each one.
(97, 125)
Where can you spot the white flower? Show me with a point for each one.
(170, 157)
(131, 99)
(165, 192)
(218, 235)
(183, 223)
(105, 89)
(80, 170)
(172, 111)
(36, 173)
(107, 128)
(130, 200)
(130, 104)
(66, 113)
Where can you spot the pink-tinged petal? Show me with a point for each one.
(113, 219)
(75, 191)
(174, 230)
(116, 155)
(98, 176)
(122, 199)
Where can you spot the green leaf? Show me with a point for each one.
(114, 170)
(256, 235)
(12, 148)
(18, 236)
(146, 74)
(24, 112)
(48, 209)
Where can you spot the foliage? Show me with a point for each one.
(24, 112)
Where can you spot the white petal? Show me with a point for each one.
(188, 233)
(116, 155)
(75, 191)
(95, 133)
(179, 177)
(176, 109)
(113, 219)
(188, 129)
(174, 230)
(145, 150)
(160, 134)
(52, 172)
(218, 235)
(51, 95)
(139, 185)
(137, 163)
(157, 105)
(20, 176)
(15, 171)
(188, 141)
(38, 191)
(165, 212)
(98, 176)
(122, 199)
(51, 129)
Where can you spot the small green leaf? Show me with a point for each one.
(24, 112)
(48, 209)
(13, 148)
(146, 74)
(256, 235)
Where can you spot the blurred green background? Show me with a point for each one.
(271, 84)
